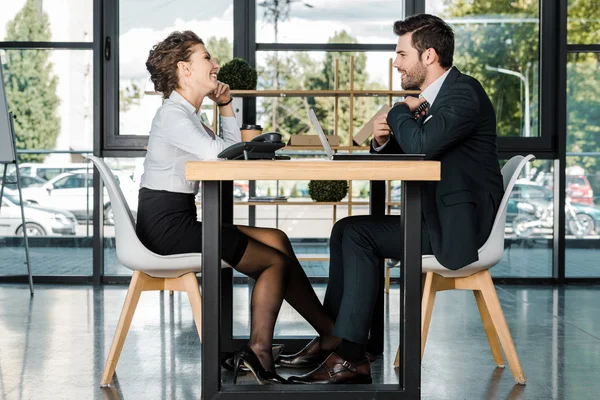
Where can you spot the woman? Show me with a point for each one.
(182, 70)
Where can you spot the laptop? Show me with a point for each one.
(378, 157)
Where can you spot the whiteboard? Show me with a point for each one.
(7, 148)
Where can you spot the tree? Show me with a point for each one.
(511, 45)
(30, 83)
(364, 108)
(583, 87)
(301, 72)
(130, 96)
(220, 48)
(275, 11)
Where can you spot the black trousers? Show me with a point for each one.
(358, 246)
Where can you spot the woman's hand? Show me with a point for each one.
(221, 94)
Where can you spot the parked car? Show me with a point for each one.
(69, 191)
(39, 221)
(26, 181)
(50, 171)
(579, 190)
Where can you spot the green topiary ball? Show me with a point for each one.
(238, 74)
(327, 191)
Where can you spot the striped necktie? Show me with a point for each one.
(421, 108)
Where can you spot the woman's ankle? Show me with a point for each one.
(264, 355)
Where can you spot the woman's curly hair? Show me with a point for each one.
(164, 56)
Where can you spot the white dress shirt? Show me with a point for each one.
(177, 135)
(430, 93)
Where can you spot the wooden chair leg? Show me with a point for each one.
(190, 283)
(495, 309)
(388, 278)
(429, 291)
(490, 331)
(397, 360)
(131, 301)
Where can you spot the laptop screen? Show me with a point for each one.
(319, 129)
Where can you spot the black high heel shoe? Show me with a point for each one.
(228, 363)
(247, 357)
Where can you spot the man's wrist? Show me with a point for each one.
(226, 103)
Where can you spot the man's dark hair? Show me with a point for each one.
(429, 31)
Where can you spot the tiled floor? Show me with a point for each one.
(53, 346)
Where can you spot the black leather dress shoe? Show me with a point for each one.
(310, 356)
(336, 370)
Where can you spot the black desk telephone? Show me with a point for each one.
(262, 147)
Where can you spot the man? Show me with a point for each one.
(453, 121)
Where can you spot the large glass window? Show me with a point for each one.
(286, 21)
(314, 70)
(58, 214)
(46, 21)
(583, 165)
(51, 94)
(583, 23)
(498, 43)
(529, 224)
(144, 23)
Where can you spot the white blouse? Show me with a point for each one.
(176, 136)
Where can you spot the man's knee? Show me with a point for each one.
(337, 233)
(356, 234)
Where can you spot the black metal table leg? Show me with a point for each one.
(410, 300)
(211, 288)
(377, 207)
(228, 345)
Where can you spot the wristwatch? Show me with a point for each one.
(227, 102)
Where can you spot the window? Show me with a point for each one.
(583, 23)
(64, 21)
(498, 44)
(142, 24)
(278, 22)
(529, 224)
(583, 165)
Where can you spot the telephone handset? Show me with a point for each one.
(269, 137)
(261, 147)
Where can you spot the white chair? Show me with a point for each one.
(476, 277)
(151, 271)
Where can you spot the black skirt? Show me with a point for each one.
(167, 223)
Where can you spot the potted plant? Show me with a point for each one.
(239, 75)
(327, 191)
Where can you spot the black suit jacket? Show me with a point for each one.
(459, 210)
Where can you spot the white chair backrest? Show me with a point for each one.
(491, 252)
(129, 247)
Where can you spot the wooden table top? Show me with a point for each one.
(315, 169)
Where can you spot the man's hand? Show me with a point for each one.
(413, 102)
(381, 130)
(221, 94)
